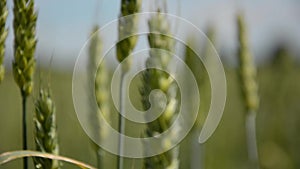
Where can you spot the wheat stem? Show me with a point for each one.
(99, 155)
(121, 122)
(24, 99)
(251, 138)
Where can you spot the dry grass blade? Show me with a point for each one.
(14, 155)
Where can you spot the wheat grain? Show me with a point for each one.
(46, 130)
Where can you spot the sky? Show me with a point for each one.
(64, 25)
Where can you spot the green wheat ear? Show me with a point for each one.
(3, 35)
(45, 130)
(127, 27)
(249, 86)
(24, 24)
(247, 69)
(156, 79)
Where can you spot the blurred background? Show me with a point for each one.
(274, 37)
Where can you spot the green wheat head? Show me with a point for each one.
(156, 79)
(3, 35)
(45, 130)
(127, 27)
(247, 69)
(24, 24)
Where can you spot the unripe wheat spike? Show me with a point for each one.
(156, 79)
(45, 130)
(247, 69)
(249, 86)
(24, 24)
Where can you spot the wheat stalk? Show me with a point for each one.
(159, 38)
(3, 35)
(24, 24)
(249, 85)
(45, 130)
(100, 84)
(127, 42)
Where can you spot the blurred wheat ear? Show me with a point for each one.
(247, 69)
(159, 38)
(3, 35)
(99, 81)
(249, 88)
(45, 130)
(127, 27)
